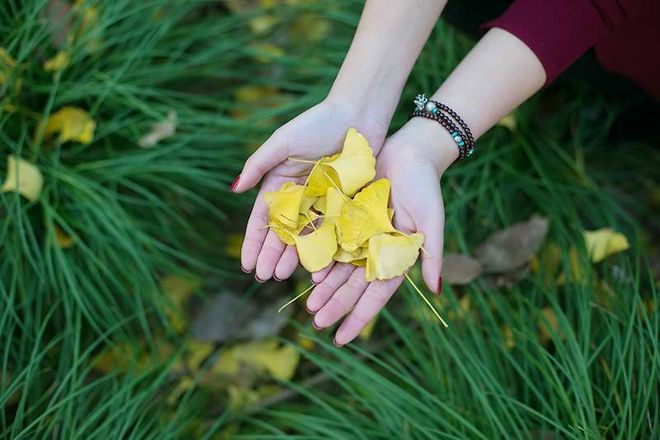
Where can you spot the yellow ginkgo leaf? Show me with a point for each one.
(263, 356)
(344, 256)
(334, 202)
(356, 165)
(287, 234)
(284, 204)
(319, 204)
(23, 177)
(72, 123)
(58, 63)
(317, 248)
(306, 204)
(604, 242)
(365, 216)
(391, 255)
(322, 177)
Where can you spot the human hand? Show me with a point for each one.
(318, 132)
(413, 159)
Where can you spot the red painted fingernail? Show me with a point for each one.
(233, 185)
(440, 285)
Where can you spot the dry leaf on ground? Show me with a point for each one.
(159, 131)
(226, 316)
(460, 269)
(512, 247)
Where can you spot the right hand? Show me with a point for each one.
(317, 132)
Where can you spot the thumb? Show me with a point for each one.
(432, 225)
(267, 157)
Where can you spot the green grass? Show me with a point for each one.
(138, 214)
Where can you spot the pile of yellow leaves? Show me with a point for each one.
(334, 216)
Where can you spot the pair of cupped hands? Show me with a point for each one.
(413, 159)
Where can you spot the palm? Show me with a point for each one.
(315, 133)
(417, 202)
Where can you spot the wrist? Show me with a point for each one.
(429, 140)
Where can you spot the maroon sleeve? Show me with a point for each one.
(560, 31)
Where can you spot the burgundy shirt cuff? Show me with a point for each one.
(557, 31)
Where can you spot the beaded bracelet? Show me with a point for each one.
(436, 111)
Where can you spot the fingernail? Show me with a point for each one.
(259, 280)
(233, 185)
(308, 311)
(334, 342)
(276, 279)
(316, 327)
(245, 270)
(440, 285)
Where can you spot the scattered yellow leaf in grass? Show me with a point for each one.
(263, 24)
(234, 245)
(317, 248)
(509, 121)
(178, 289)
(391, 255)
(89, 28)
(368, 329)
(23, 177)
(7, 66)
(159, 131)
(58, 63)
(242, 397)
(604, 242)
(63, 239)
(507, 336)
(547, 324)
(72, 123)
(365, 216)
(267, 52)
(266, 356)
(309, 27)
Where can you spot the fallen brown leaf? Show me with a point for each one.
(460, 269)
(511, 248)
(227, 316)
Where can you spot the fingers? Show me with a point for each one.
(378, 293)
(319, 276)
(287, 264)
(270, 254)
(336, 277)
(257, 227)
(432, 225)
(342, 301)
(267, 157)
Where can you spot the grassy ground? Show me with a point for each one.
(535, 359)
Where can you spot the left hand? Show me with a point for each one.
(413, 159)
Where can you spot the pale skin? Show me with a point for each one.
(498, 74)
